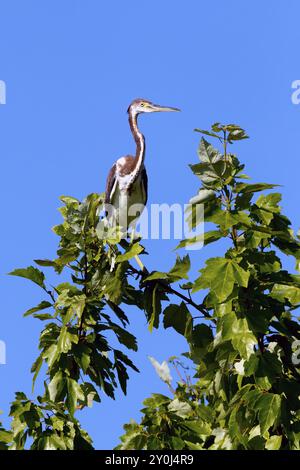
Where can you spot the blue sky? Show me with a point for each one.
(71, 68)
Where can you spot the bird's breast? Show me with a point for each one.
(129, 197)
(132, 190)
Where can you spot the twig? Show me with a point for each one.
(178, 372)
(171, 290)
(51, 294)
(85, 292)
(198, 307)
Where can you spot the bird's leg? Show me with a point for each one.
(139, 262)
(137, 258)
(114, 251)
(132, 235)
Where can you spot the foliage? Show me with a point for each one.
(246, 388)
(80, 316)
(5, 438)
(48, 425)
(241, 336)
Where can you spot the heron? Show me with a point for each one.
(127, 181)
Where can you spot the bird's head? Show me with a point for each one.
(140, 105)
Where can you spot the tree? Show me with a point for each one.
(80, 361)
(246, 388)
(241, 337)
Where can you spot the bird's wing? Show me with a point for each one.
(145, 185)
(110, 184)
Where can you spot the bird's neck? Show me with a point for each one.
(140, 142)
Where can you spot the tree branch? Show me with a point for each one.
(173, 291)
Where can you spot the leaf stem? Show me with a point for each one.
(225, 145)
(85, 292)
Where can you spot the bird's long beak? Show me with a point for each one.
(157, 107)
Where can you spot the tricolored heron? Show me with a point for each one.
(127, 182)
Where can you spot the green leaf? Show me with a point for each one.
(198, 427)
(178, 317)
(36, 367)
(5, 437)
(268, 370)
(180, 408)
(243, 339)
(269, 202)
(217, 127)
(156, 275)
(43, 316)
(220, 275)
(122, 357)
(205, 239)
(156, 309)
(269, 408)
(119, 312)
(90, 394)
(66, 255)
(65, 340)
(236, 134)
(203, 196)
(194, 212)
(207, 153)
(69, 200)
(250, 366)
(74, 394)
(226, 219)
(56, 442)
(243, 200)
(208, 176)
(122, 375)
(156, 400)
(21, 396)
(114, 282)
(76, 308)
(56, 386)
(134, 250)
(201, 336)
(211, 134)
(45, 262)
(274, 443)
(284, 292)
(82, 354)
(124, 337)
(237, 331)
(31, 273)
(41, 306)
(253, 188)
(180, 269)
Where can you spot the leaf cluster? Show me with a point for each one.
(246, 388)
(85, 326)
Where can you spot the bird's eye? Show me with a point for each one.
(142, 104)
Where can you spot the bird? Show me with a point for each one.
(127, 181)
